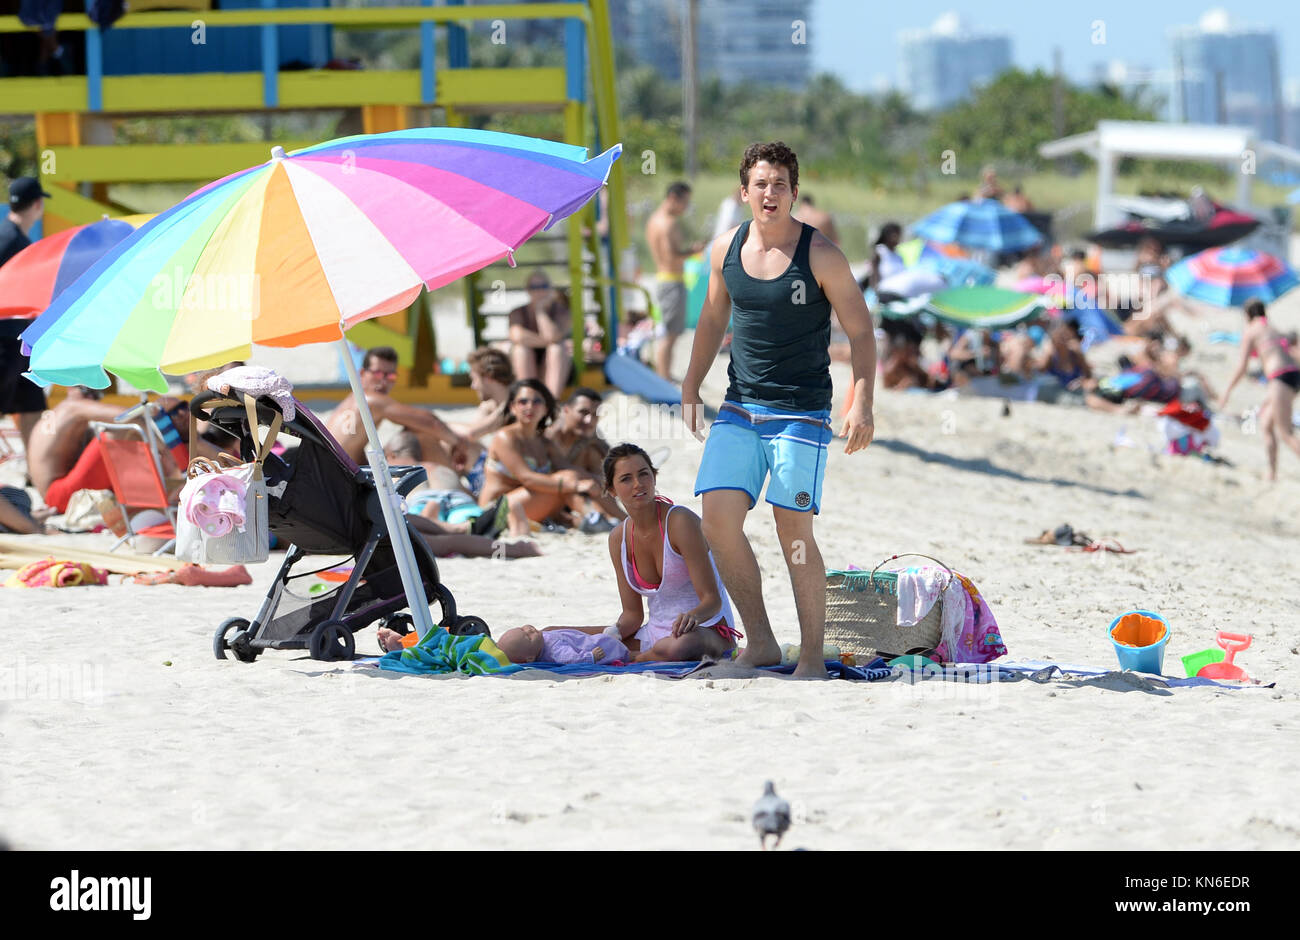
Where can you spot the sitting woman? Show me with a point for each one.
(1063, 358)
(660, 554)
(523, 465)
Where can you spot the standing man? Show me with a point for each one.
(18, 396)
(778, 280)
(664, 239)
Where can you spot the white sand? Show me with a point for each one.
(120, 730)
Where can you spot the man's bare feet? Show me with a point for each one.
(766, 654)
(389, 639)
(815, 670)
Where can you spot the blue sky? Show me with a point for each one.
(858, 39)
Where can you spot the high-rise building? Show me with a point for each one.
(756, 41)
(943, 64)
(651, 31)
(1153, 89)
(1227, 73)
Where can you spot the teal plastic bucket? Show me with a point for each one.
(1151, 658)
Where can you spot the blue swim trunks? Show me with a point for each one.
(748, 442)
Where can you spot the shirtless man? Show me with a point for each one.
(664, 239)
(819, 219)
(580, 445)
(60, 458)
(439, 443)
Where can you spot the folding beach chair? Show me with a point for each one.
(130, 452)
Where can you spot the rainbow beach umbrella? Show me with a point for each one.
(304, 246)
(31, 279)
(300, 248)
(1231, 275)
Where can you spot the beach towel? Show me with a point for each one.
(979, 639)
(50, 572)
(440, 653)
(198, 576)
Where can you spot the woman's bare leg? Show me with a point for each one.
(1265, 424)
(558, 363)
(1283, 401)
(524, 361)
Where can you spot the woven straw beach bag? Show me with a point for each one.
(862, 614)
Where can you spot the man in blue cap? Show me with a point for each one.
(18, 396)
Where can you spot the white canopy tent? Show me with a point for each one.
(1237, 148)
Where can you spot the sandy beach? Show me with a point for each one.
(121, 731)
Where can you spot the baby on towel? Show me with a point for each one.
(527, 644)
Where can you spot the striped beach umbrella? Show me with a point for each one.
(985, 224)
(302, 247)
(1231, 275)
(31, 279)
(984, 308)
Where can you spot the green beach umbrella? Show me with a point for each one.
(984, 308)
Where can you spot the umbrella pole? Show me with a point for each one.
(390, 503)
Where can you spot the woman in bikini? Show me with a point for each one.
(1274, 419)
(525, 467)
(660, 554)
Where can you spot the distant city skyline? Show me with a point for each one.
(859, 42)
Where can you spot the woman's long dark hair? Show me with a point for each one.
(541, 389)
(618, 453)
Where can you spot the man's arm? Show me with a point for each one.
(831, 269)
(708, 336)
(675, 241)
(417, 419)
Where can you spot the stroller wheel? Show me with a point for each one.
(448, 605)
(471, 626)
(332, 640)
(243, 652)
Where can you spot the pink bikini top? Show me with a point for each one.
(636, 575)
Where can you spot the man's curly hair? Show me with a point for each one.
(775, 153)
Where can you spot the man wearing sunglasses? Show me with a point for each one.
(439, 443)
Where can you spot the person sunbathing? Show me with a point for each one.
(1063, 358)
(527, 468)
(580, 445)
(441, 445)
(64, 456)
(1154, 376)
(660, 555)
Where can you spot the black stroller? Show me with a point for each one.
(321, 503)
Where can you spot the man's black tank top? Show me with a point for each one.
(780, 347)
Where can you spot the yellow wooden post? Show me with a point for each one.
(573, 134)
(56, 130)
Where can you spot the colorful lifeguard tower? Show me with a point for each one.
(262, 56)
